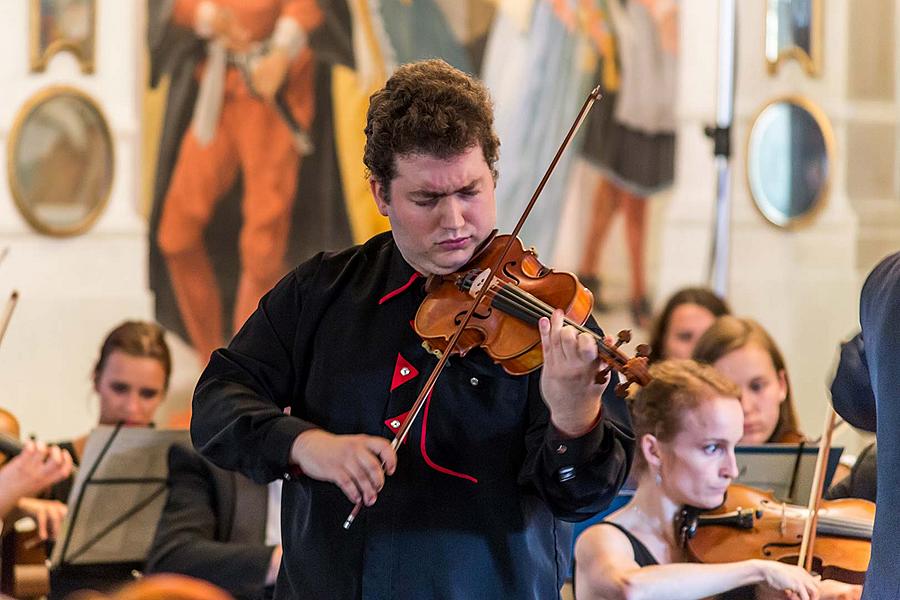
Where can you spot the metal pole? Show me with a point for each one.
(721, 135)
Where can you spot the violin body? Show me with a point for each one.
(753, 524)
(512, 340)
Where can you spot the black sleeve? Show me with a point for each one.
(238, 419)
(578, 477)
(851, 389)
(862, 480)
(186, 538)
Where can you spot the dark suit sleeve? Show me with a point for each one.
(187, 539)
(579, 477)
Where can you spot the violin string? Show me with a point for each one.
(835, 525)
(533, 307)
(536, 308)
(857, 527)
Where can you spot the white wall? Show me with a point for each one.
(802, 285)
(72, 290)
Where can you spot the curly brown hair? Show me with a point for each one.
(677, 387)
(428, 107)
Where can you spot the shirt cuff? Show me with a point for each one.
(289, 36)
(568, 453)
(279, 442)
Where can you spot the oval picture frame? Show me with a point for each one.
(790, 160)
(60, 161)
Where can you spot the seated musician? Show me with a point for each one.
(687, 314)
(687, 422)
(131, 376)
(744, 352)
(219, 526)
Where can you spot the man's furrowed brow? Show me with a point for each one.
(431, 194)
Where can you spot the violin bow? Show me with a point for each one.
(407, 423)
(815, 496)
(7, 313)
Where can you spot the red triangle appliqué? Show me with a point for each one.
(403, 372)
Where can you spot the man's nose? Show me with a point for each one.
(452, 213)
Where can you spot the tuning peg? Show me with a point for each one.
(642, 350)
(624, 337)
(622, 389)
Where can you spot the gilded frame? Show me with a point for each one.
(44, 15)
(17, 186)
(811, 59)
(818, 203)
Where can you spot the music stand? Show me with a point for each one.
(115, 505)
(785, 469)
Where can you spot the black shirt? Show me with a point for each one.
(482, 479)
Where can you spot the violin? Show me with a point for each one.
(751, 523)
(505, 322)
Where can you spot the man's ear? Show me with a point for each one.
(379, 193)
(651, 451)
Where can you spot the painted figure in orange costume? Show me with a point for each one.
(257, 55)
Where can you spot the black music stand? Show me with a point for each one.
(114, 507)
(787, 470)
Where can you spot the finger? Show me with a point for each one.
(348, 486)
(808, 591)
(41, 518)
(587, 347)
(54, 456)
(568, 342)
(386, 454)
(556, 323)
(364, 482)
(371, 470)
(67, 463)
(544, 329)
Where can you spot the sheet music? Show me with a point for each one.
(120, 506)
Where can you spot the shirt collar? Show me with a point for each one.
(401, 277)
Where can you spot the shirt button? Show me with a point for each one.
(561, 449)
(474, 381)
(287, 476)
(404, 371)
(395, 423)
(566, 473)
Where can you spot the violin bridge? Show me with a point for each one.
(479, 282)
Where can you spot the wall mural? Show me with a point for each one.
(259, 159)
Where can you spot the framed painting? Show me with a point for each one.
(62, 25)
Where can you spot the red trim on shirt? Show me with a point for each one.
(400, 289)
(428, 460)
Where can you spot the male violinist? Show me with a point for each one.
(471, 501)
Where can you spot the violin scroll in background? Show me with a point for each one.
(505, 323)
